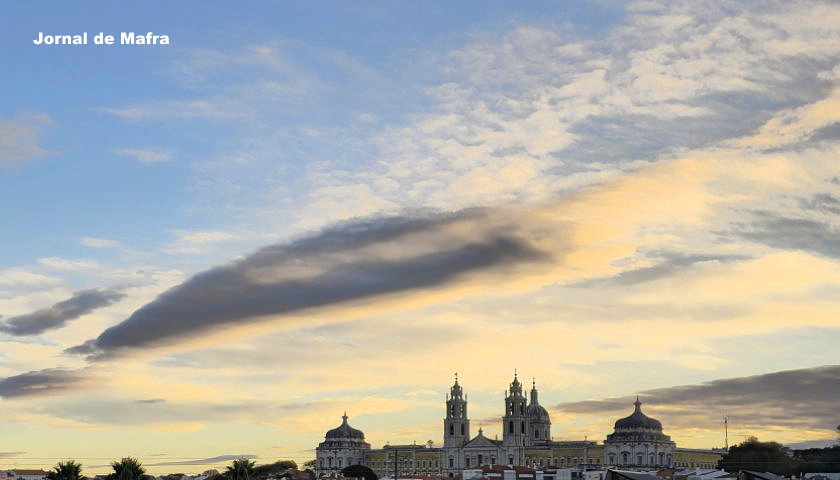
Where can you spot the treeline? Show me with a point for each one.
(129, 468)
(772, 457)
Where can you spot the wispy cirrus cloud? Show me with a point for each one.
(148, 155)
(19, 139)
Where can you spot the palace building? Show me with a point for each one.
(638, 442)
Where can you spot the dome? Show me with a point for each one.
(536, 411)
(638, 420)
(345, 431)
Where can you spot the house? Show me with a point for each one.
(20, 474)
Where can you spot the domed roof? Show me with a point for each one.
(345, 430)
(536, 411)
(638, 420)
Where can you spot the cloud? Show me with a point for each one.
(10, 454)
(206, 461)
(779, 230)
(671, 263)
(821, 202)
(96, 242)
(56, 316)
(19, 140)
(349, 262)
(197, 242)
(151, 400)
(44, 382)
(67, 264)
(791, 399)
(147, 155)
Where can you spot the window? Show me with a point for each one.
(625, 458)
(536, 434)
(510, 460)
(522, 409)
(451, 410)
(340, 461)
(451, 462)
(510, 426)
(523, 427)
(481, 459)
(451, 429)
(462, 429)
(492, 460)
(330, 461)
(639, 459)
(652, 459)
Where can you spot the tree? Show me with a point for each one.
(241, 469)
(359, 471)
(128, 468)
(309, 463)
(759, 456)
(69, 470)
(287, 464)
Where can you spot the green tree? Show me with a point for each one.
(69, 470)
(359, 471)
(241, 469)
(128, 468)
(753, 454)
(309, 463)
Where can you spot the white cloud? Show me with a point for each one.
(97, 242)
(68, 264)
(197, 241)
(147, 155)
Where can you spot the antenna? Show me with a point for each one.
(726, 432)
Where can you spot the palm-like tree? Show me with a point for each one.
(69, 470)
(241, 469)
(127, 468)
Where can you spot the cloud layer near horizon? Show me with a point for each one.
(803, 399)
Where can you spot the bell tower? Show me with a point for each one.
(515, 421)
(456, 425)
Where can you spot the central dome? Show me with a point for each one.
(536, 411)
(345, 431)
(638, 420)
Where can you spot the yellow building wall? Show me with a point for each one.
(408, 462)
(683, 459)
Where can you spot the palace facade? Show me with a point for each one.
(637, 442)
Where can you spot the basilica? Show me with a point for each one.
(636, 443)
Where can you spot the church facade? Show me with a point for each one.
(638, 442)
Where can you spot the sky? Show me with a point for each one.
(215, 247)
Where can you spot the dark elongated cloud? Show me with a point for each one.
(345, 263)
(792, 399)
(821, 202)
(205, 461)
(10, 454)
(669, 264)
(56, 316)
(791, 233)
(43, 382)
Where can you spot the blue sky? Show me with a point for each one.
(612, 197)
